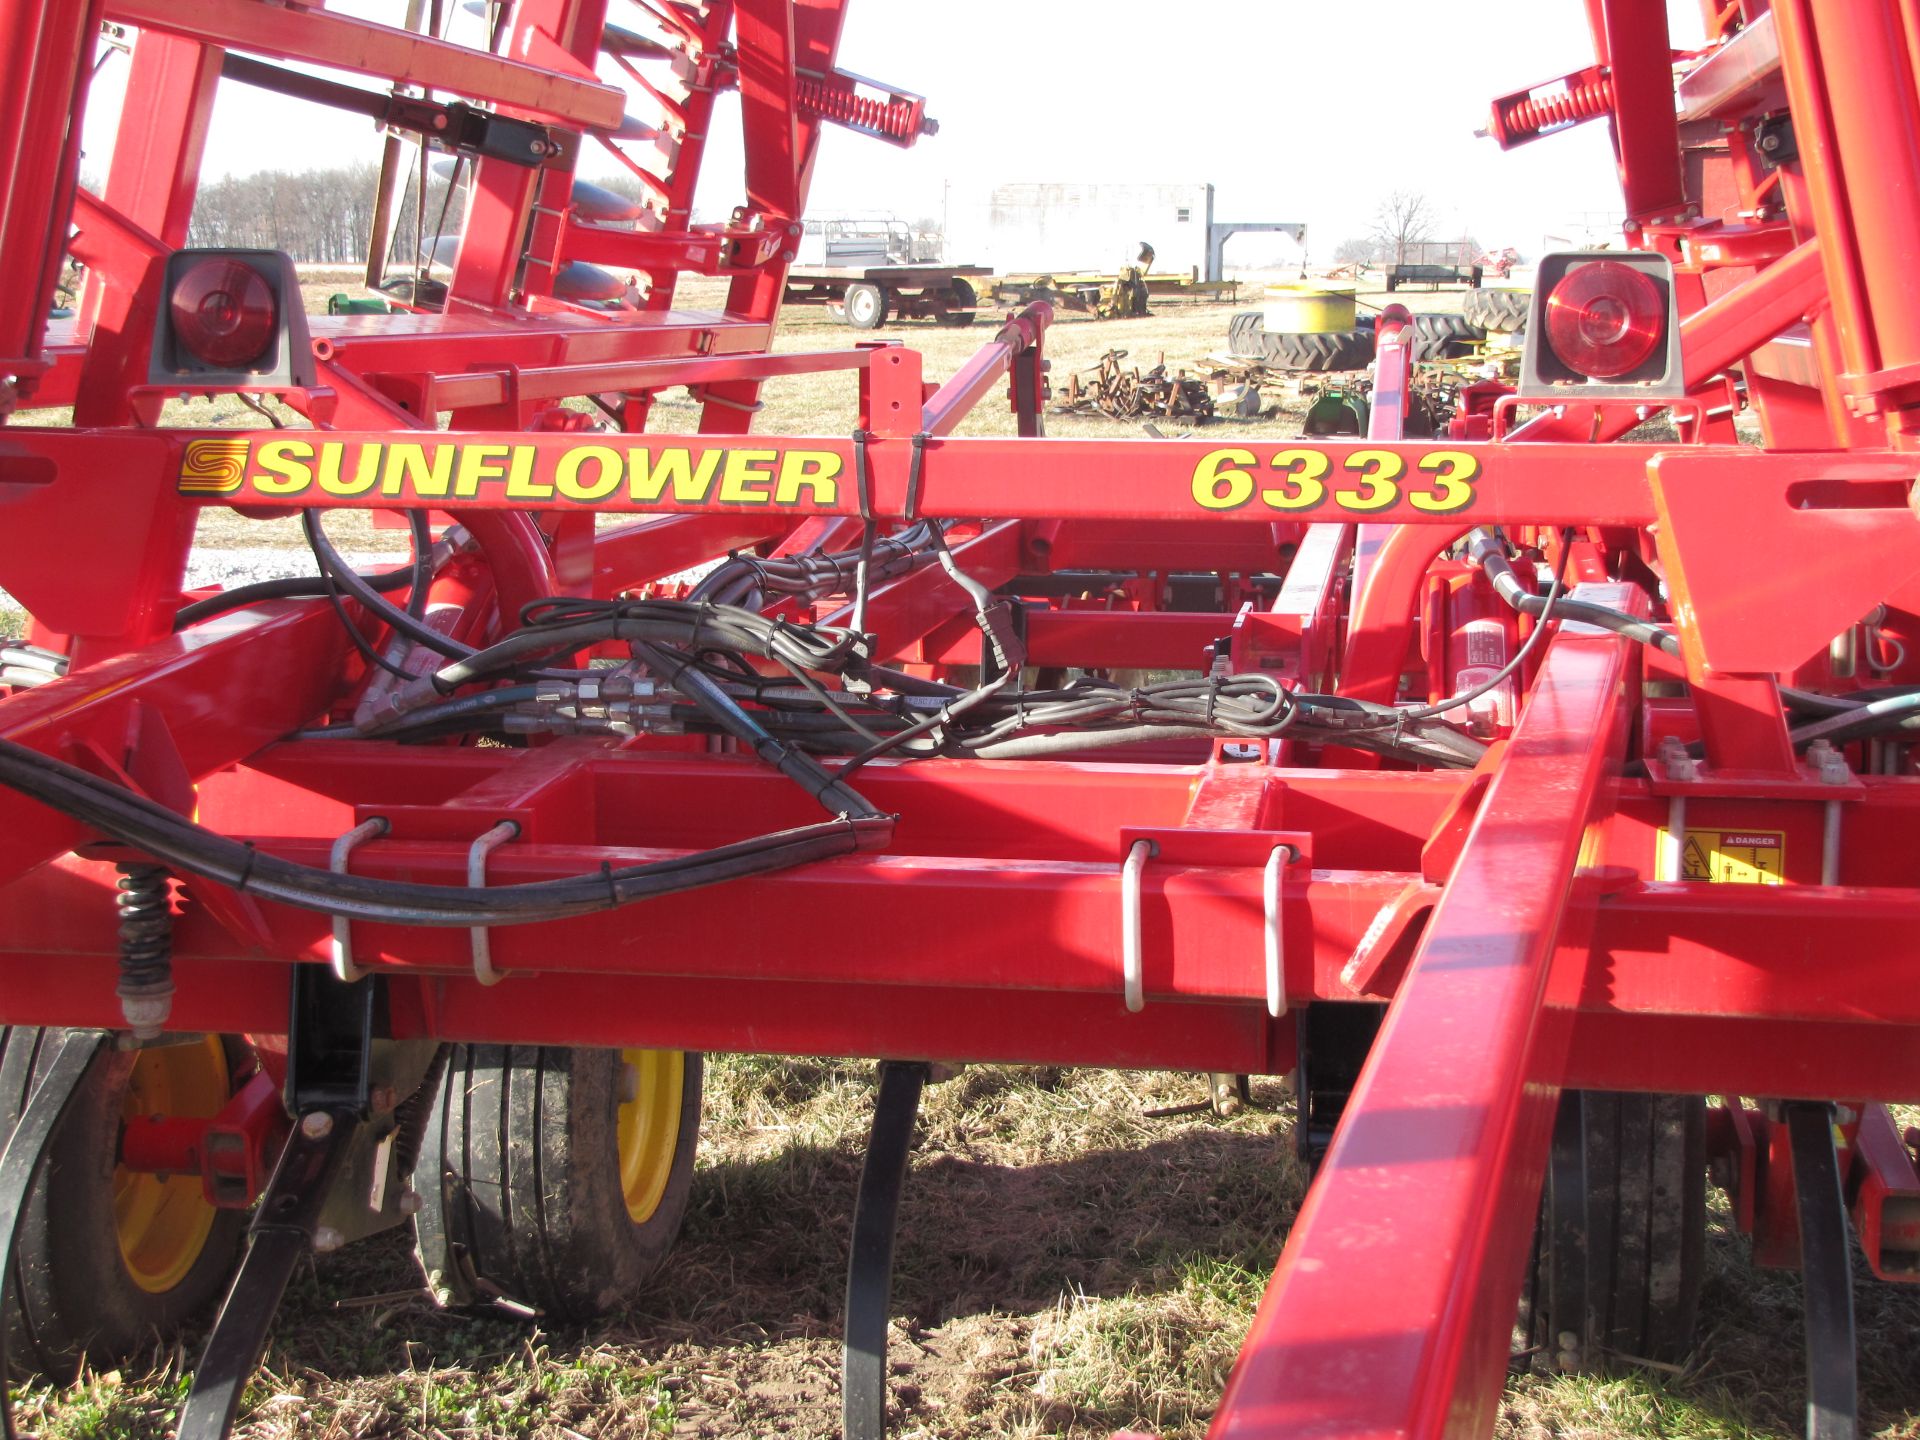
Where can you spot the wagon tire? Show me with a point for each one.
(961, 296)
(111, 1264)
(1499, 312)
(866, 307)
(542, 1187)
(1618, 1264)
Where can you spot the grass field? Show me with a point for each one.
(1069, 1263)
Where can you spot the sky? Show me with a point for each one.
(1294, 110)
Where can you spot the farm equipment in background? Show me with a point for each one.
(1512, 794)
(867, 272)
(1434, 263)
(1123, 295)
(1123, 393)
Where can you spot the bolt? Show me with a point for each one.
(381, 1098)
(410, 1202)
(316, 1124)
(1769, 142)
(1829, 763)
(326, 1240)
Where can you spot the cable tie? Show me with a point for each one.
(246, 870)
(863, 484)
(915, 471)
(613, 890)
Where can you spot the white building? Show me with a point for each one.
(1038, 227)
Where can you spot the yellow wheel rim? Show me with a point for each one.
(649, 1126)
(163, 1223)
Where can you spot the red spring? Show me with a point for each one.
(888, 117)
(1584, 101)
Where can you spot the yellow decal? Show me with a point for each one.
(420, 471)
(1731, 857)
(1302, 478)
(213, 467)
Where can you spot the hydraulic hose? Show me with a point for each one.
(295, 587)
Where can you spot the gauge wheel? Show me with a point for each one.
(111, 1262)
(1620, 1252)
(866, 307)
(553, 1179)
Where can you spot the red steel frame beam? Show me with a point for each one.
(367, 48)
(1404, 1264)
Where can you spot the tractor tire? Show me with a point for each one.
(111, 1263)
(1333, 350)
(542, 1187)
(1442, 336)
(1244, 324)
(1621, 1246)
(867, 307)
(961, 295)
(1499, 311)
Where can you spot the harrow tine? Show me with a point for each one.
(20, 1162)
(863, 1364)
(283, 1231)
(1833, 1379)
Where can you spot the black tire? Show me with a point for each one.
(1618, 1259)
(1500, 312)
(521, 1191)
(75, 1297)
(960, 295)
(1331, 351)
(1441, 325)
(866, 306)
(1442, 336)
(1244, 324)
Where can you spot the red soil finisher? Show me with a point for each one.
(1513, 795)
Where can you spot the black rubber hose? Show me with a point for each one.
(178, 842)
(294, 587)
(396, 618)
(1488, 551)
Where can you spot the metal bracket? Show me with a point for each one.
(46, 1107)
(483, 970)
(863, 1360)
(337, 861)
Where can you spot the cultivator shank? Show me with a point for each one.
(1510, 792)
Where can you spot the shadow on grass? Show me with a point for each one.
(1106, 1289)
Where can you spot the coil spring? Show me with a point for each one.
(1587, 101)
(889, 117)
(146, 946)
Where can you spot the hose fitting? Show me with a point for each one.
(146, 947)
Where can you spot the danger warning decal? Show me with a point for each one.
(403, 472)
(1732, 857)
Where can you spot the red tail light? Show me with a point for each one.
(224, 313)
(1605, 319)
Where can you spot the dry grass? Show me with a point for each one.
(1068, 1265)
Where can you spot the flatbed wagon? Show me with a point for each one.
(866, 297)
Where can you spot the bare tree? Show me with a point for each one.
(1405, 218)
(1356, 250)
